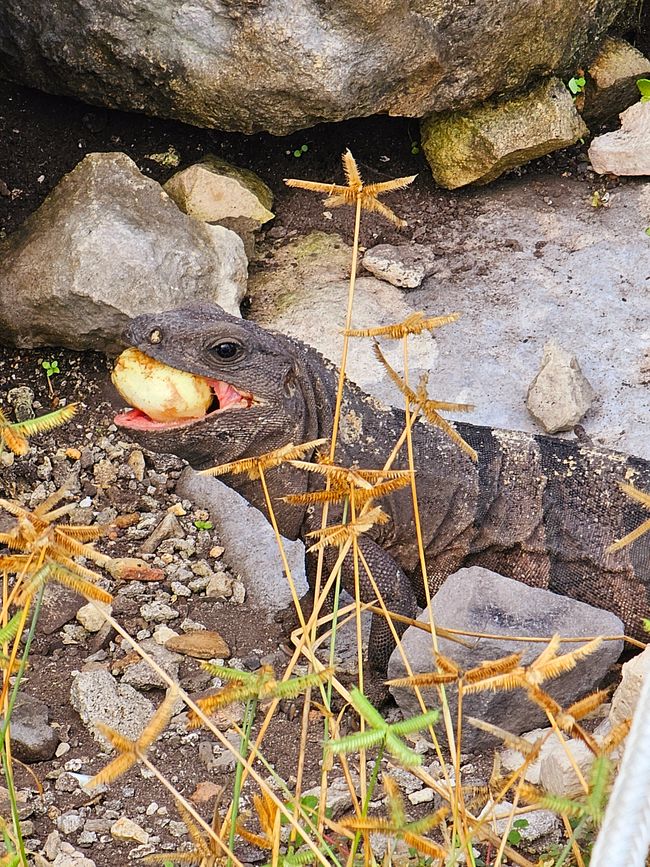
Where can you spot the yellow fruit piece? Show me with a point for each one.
(164, 393)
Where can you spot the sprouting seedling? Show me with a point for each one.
(577, 84)
(203, 525)
(644, 88)
(51, 368)
(298, 152)
(15, 435)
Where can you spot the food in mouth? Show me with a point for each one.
(164, 397)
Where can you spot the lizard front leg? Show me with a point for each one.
(392, 582)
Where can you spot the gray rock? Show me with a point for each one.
(625, 151)
(478, 600)
(142, 676)
(305, 295)
(541, 825)
(97, 697)
(249, 541)
(560, 394)
(106, 245)
(611, 80)
(215, 191)
(157, 612)
(525, 261)
(406, 265)
(339, 799)
(557, 774)
(60, 605)
(32, 739)
(478, 145)
(69, 823)
(167, 528)
(284, 66)
(22, 399)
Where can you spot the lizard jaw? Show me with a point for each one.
(226, 396)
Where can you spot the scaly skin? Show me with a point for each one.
(538, 509)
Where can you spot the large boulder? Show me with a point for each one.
(106, 245)
(476, 600)
(277, 65)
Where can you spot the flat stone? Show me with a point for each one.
(127, 829)
(96, 254)
(97, 697)
(141, 675)
(168, 528)
(132, 569)
(405, 266)
(92, 616)
(479, 145)
(219, 585)
(477, 600)
(204, 644)
(60, 606)
(560, 395)
(611, 80)
(311, 274)
(625, 151)
(72, 858)
(157, 612)
(624, 701)
(69, 823)
(539, 823)
(541, 264)
(32, 738)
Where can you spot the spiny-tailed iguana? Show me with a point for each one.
(539, 509)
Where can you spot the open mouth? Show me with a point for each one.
(165, 398)
(225, 397)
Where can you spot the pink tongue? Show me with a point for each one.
(226, 394)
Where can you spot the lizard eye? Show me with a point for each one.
(226, 350)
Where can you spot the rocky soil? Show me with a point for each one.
(502, 255)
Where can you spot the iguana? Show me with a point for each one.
(539, 509)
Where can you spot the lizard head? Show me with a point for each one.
(209, 387)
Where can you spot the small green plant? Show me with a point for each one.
(514, 837)
(51, 368)
(600, 199)
(203, 525)
(299, 151)
(644, 88)
(577, 84)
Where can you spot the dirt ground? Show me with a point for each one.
(41, 138)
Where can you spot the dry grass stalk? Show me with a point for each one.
(356, 193)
